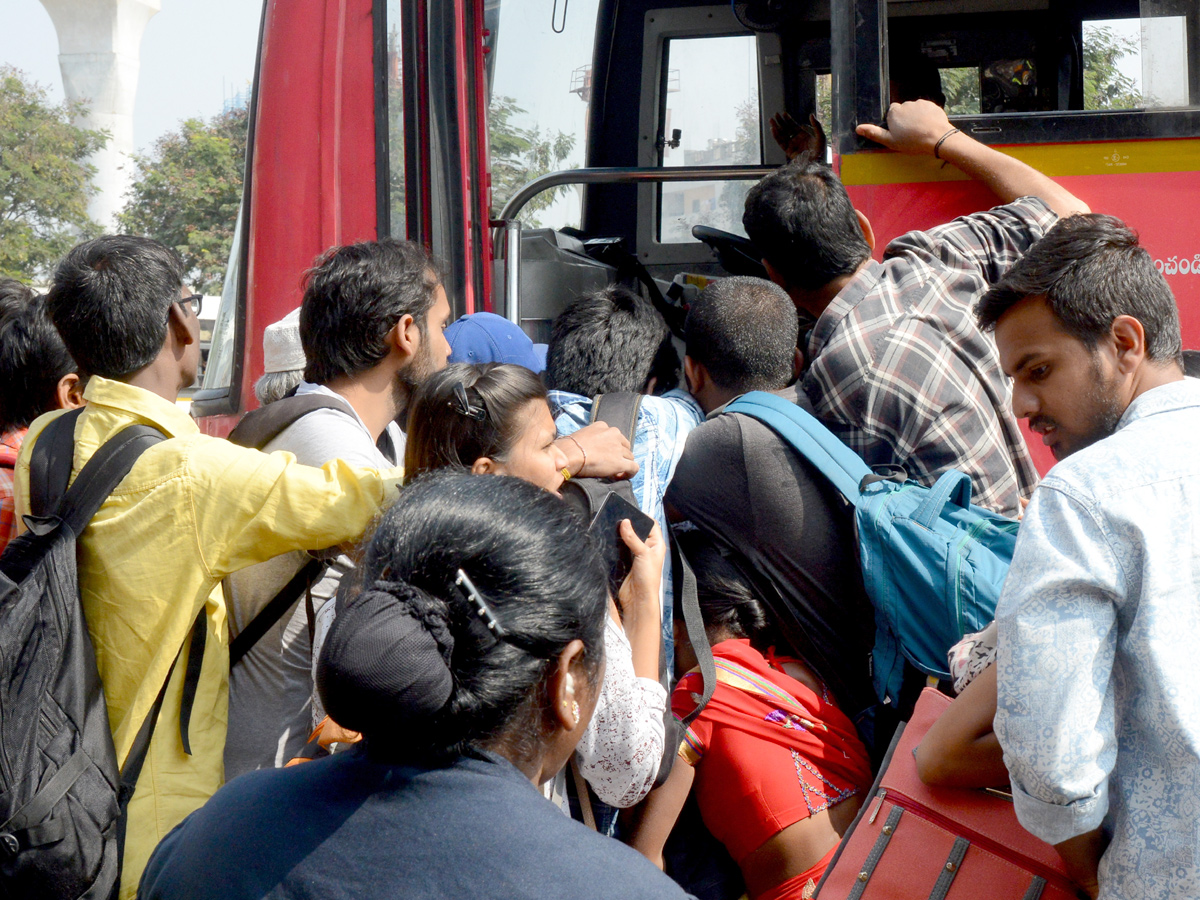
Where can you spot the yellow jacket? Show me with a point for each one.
(193, 509)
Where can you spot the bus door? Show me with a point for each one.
(367, 120)
(1102, 95)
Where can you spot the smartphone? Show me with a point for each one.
(605, 528)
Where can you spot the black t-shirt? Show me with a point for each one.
(743, 484)
(349, 827)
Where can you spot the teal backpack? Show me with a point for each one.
(932, 563)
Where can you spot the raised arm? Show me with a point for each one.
(918, 126)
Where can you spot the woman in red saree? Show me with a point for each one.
(777, 769)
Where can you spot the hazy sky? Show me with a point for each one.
(194, 54)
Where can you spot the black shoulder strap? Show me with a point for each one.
(308, 575)
(51, 462)
(619, 410)
(685, 583)
(261, 426)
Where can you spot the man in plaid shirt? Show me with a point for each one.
(897, 366)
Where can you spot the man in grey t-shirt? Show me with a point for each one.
(371, 326)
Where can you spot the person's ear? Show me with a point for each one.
(485, 465)
(177, 320)
(695, 376)
(1129, 341)
(650, 385)
(773, 274)
(868, 232)
(568, 687)
(797, 364)
(68, 393)
(405, 337)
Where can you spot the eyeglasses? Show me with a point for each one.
(192, 302)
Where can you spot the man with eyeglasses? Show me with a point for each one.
(192, 510)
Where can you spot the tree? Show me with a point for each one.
(520, 155)
(186, 193)
(45, 179)
(961, 87)
(1105, 86)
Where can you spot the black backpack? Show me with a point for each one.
(62, 798)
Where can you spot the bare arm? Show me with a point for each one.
(639, 599)
(659, 812)
(1081, 854)
(916, 127)
(961, 750)
(598, 451)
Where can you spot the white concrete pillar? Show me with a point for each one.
(99, 42)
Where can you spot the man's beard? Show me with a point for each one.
(409, 379)
(1105, 410)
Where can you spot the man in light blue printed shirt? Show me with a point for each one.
(1098, 707)
(615, 341)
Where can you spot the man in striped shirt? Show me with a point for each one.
(897, 366)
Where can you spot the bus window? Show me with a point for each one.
(712, 101)
(540, 65)
(218, 371)
(1135, 63)
(393, 76)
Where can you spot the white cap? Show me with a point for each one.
(281, 345)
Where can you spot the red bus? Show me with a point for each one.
(544, 147)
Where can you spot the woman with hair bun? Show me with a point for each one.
(777, 769)
(469, 654)
(495, 419)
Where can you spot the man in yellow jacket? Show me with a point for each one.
(192, 510)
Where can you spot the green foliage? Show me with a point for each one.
(1105, 86)
(186, 193)
(961, 87)
(519, 155)
(45, 179)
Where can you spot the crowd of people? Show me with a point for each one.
(457, 698)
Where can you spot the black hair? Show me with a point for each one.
(1191, 363)
(443, 432)
(728, 601)
(33, 358)
(354, 296)
(110, 300)
(801, 219)
(743, 331)
(409, 661)
(1091, 269)
(610, 340)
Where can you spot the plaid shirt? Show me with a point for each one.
(10, 445)
(901, 372)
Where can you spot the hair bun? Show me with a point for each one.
(386, 659)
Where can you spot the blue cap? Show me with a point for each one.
(485, 337)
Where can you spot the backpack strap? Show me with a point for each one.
(51, 462)
(261, 426)
(300, 583)
(843, 467)
(619, 410)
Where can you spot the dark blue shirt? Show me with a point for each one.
(349, 827)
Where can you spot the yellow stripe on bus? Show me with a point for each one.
(1095, 158)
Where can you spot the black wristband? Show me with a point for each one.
(942, 140)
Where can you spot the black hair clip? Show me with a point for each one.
(467, 588)
(463, 406)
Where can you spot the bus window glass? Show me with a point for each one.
(1137, 63)
(961, 87)
(712, 100)
(218, 369)
(540, 98)
(393, 75)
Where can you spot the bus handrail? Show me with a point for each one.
(627, 175)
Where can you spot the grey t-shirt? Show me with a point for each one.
(270, 690)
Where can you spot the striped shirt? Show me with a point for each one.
(900, 371)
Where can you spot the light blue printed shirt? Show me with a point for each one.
(1099, 696)
(662, 428)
